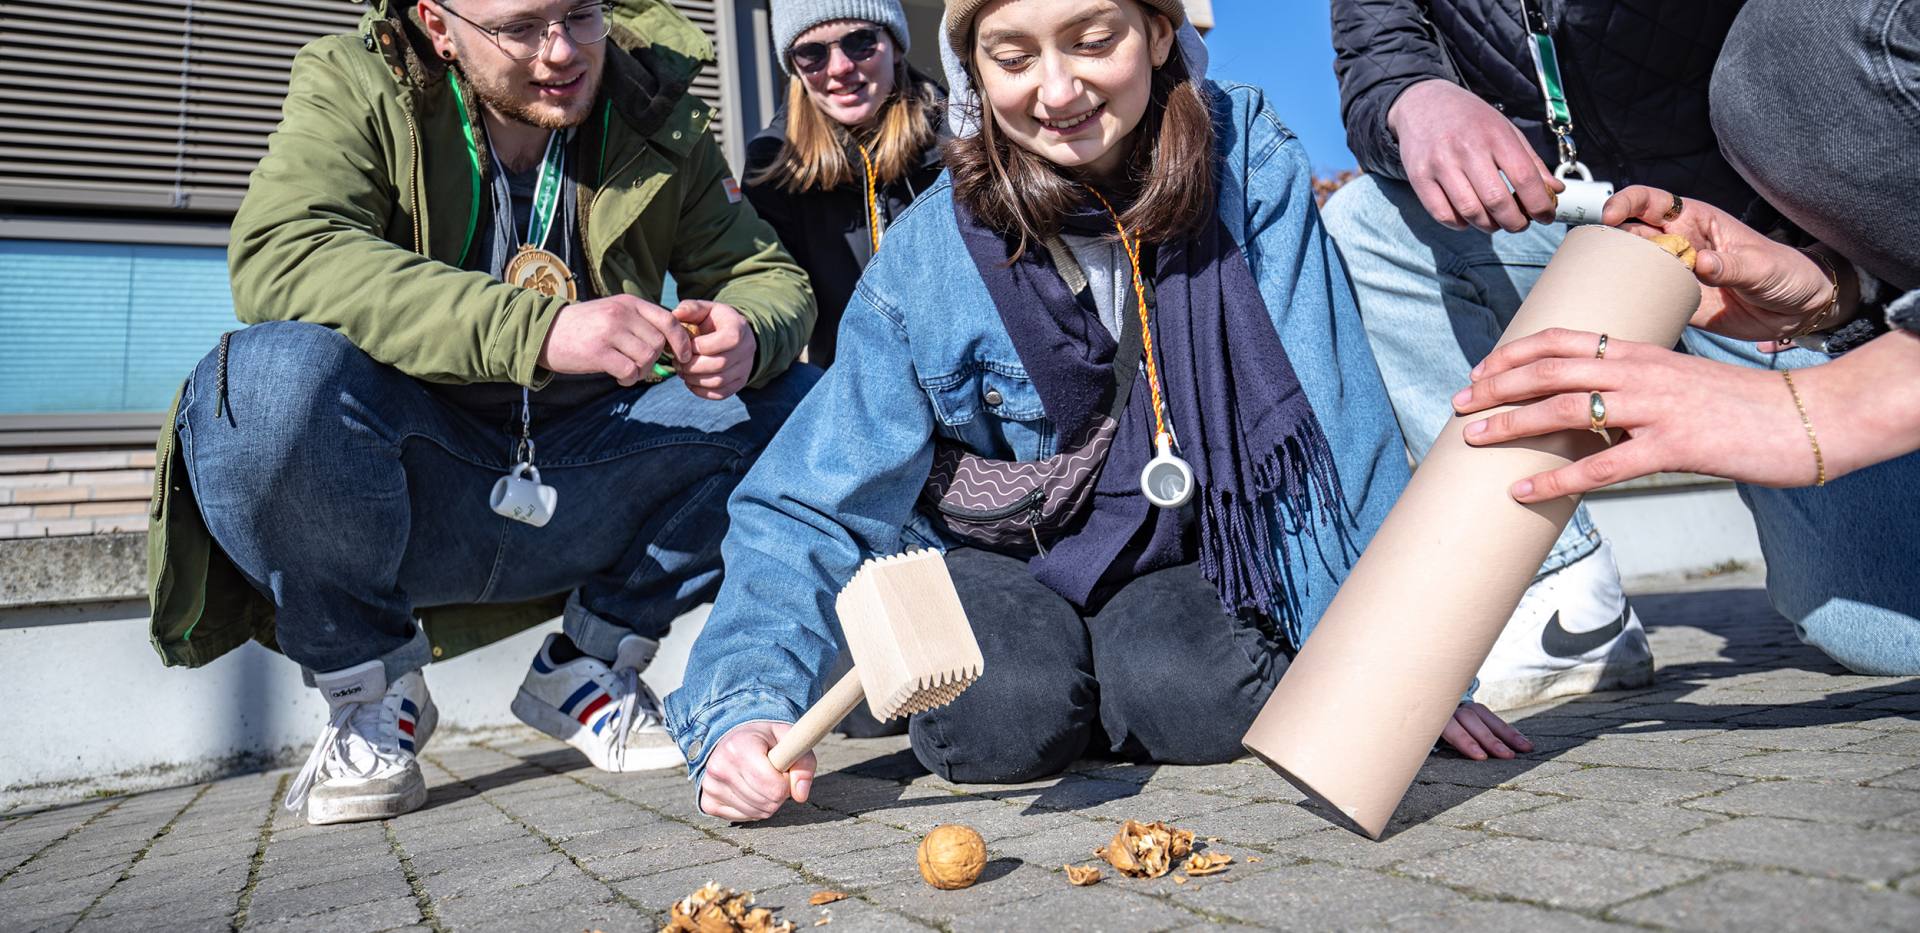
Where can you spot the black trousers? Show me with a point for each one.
(1160, 674)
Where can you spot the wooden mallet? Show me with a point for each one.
(913, 648)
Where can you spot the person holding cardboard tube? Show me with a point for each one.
(1823, 452)
(1474, 152)
(1811, 105)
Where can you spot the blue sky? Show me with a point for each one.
(1286, 47)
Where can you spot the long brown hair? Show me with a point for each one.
(813, 156)
(1170, 172)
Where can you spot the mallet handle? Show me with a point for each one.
(818, 721)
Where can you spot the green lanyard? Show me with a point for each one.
(1546, 66)
(546, 189)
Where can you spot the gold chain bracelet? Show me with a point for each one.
(1819, 461)
(1826, 317)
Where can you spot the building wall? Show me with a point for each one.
(113, 270)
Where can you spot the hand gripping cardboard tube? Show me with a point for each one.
(1359, 709)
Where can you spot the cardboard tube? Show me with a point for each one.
(1360, 707)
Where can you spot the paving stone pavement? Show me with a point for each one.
(1755, 785)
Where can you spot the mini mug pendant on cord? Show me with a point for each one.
(1167, 480)
(1584, 198)
(520, 495)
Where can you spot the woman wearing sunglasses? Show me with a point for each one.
(1112, 363)
(855, 141)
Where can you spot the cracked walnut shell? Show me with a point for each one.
(1200, 865)
(1146, 850)
(952, 856)
(1082, 875)
(1679, 246)
(714, 909)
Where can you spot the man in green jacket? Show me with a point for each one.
(459, 397)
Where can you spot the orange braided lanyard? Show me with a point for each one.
(1160, 435)
(873, 200)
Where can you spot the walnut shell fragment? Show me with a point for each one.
(1146, 850)
(825, 897)
(714, 909)
(952, 856)
(1200, 864)
(1083, 875)
(1679, 246)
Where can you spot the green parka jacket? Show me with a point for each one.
(362, 212)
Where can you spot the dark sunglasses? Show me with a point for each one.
(858, 45)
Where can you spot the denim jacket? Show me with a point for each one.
(923, 353)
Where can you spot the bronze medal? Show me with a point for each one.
(541, 271)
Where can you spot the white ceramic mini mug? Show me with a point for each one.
(521, 496)
(1584, 198)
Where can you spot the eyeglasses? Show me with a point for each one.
(858, 45)
(525, 39)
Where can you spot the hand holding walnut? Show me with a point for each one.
(1756, 289)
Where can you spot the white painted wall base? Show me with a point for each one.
(1675, 534)
(89, 706)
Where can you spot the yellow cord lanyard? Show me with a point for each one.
(1167, 480)
(873, 198)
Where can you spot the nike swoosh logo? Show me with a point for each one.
(1557, 641)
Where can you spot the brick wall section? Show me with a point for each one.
(75, 493)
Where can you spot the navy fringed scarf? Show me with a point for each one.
(1234, 404)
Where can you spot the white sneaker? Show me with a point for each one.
(363, 767)
(1574, 632)
(608, 713)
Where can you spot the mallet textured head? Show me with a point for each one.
(910, 638)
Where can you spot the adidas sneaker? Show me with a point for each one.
(607, 713)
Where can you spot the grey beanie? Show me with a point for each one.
(793, 17)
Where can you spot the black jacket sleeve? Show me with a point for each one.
(1381, 47)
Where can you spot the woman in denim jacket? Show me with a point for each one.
(1150, 633)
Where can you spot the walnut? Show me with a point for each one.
(1083, 875)
(1679, 246)
(714, 909)
(825, 897)
(952, 856)
(1146, 851)
(1200, 865)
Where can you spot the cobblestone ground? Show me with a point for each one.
(1756, 785)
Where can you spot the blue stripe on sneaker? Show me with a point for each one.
(406, 745)
(613, 715)
(540, 662)
(406, 706)
(586, 690)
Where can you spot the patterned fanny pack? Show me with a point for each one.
(1014, 506)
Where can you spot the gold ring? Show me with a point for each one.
(1674, 211)
(1600, 352)
(1597, 415)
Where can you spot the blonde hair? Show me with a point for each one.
(813, 156)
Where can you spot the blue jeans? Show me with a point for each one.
(350, 493)
(1434, 301)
